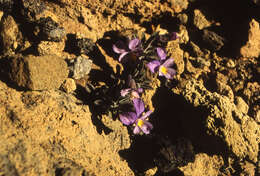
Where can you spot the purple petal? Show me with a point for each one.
(168, 63)
(153, 65)
(122, 55)
(140, 90)
(170, 73)
(148, 113)
(119, 47)
(128, 118)
(137, 130)
(161, 53)
(146, 127)
(124, 92)
(139, 106)
(118, 50)
(135, 94)
(134, 43)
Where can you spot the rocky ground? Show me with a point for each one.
(206, 122)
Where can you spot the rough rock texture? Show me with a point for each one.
(252, 47)
(48, 29)
(38, 72)
(69, 85)
(51, 48)
(199, 20)
(32, 10)
(239, 131)
(6, 5)
(205, 165)
(9, 34)
(52, 132)
(47, 133)
(214, 41)
(81, 67)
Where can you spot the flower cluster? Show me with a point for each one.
(148, 54)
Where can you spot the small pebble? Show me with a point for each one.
(231, 63)
(69, 85)
(183, 18)
(81, 67)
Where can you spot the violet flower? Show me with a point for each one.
(132, 90)
(163, 66)
(138, 118)
(134, 49)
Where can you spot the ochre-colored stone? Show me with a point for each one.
(38, 72)
(69, 85)
(252, 47)
(8, 34)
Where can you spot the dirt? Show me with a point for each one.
(206, 120)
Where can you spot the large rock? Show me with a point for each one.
(38, 72)
(233, 126)
(49, 133)
(252, 46)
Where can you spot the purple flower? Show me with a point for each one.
(133, 90)
(163, 66)
(134, 48)
(138, 118)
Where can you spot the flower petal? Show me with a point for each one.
(170, 73)
(153, 65)
(140, 90)
(119, 47)
(122, 55)
(139, 106)
(128, 118)
(148, 113)
(168, 63)
(137, 130)
(134, 94)
(161, 53)
(146, 127)
(124, 92)
(134, 43)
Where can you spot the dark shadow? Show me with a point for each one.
(5, 70)
(96, 110)
(166, 21)
(175, 118)
(71, 44)
(234, 17)
(109, 39)
(175, 172)
(141, 154)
